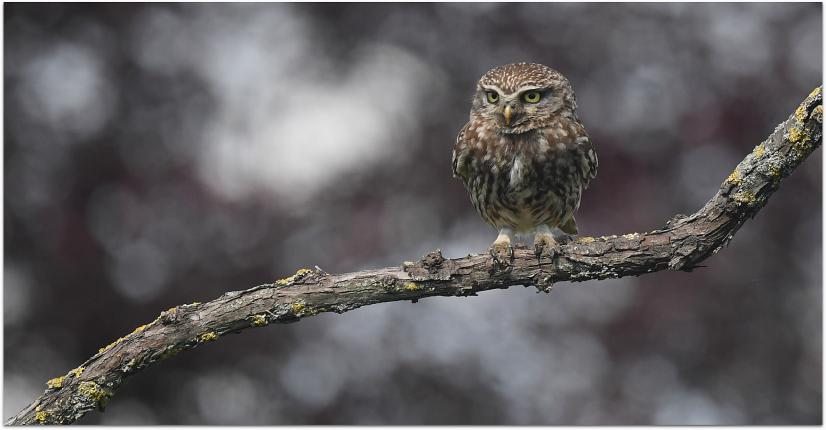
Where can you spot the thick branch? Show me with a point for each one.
(684, 242)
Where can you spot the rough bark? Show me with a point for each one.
(680, 245)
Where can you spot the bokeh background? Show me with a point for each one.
(160, 154)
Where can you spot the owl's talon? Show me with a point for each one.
(544, 246)
(544, 251)
(502, 254)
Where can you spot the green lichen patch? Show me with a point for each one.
(745, 198)
(94, 392)
(121, 339)
(297, 308)
(797, 135)
(774, 169)
(55, 383)
(759, 150)
(41, 416)
(801, 140)
(734, 178)
(208, 337)
(171, 310)
(301, 273)
(587, 239)
(412, 286)
(77, 371)
(258, 320)
(140, 328)
(108, 347)
(800, 113)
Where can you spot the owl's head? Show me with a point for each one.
(523, 96)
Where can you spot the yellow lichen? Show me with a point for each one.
(800, 113)
(745, 198)
(108, 347)
(259, 320)
(734, 177)
(55, 382)
(815, 92)
(797, 135)
(759, 150)
(586, 239)
(41, 416)
(412, 286)
(58, 382)
(290, 279)
(774, 169)
(297, 308)
(93, 391)
(121, 339)
(141, 328)
(208, 337)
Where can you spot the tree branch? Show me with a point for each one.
(680, 245)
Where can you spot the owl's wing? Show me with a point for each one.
(587, 155)
(460, 153)
(569, 226)
(588, 168)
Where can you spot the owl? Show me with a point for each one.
(524, 156)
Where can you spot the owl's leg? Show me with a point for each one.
(501, 250)
(544, 243)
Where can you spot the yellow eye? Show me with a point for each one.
(493, 97)
(532, 96)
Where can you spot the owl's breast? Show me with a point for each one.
(527, 163)
(539, 182)
(521, 180)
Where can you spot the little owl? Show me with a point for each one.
(524, 157)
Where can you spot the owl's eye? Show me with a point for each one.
(532, 96)
(493, 97)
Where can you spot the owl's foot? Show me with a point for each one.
(501, 250)
(502, 253)
(544, 245)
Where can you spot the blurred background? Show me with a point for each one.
(160, 154)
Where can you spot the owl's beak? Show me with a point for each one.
(508, 112)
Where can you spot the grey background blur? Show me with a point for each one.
(162, 154)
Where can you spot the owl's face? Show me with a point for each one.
(520, 97)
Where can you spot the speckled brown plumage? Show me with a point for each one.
(524, 162)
